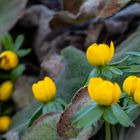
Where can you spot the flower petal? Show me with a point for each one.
(116, 93)
(94, 56)
(104, 52)
(103, 94)
(92, 84)
(137, 96)
(111, 54)
(129, 85)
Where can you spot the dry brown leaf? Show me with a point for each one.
(89, 9)
(65, 127)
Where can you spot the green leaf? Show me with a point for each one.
(74, 74)
(115, 70)
(119, 62)
(45, 128)
(94, 73)
(126, 101)
(109, 116)
(6, 41)
(91, 117)
(18, 42)
(17, 72)
(23, 52)
(22, 119)
(52, 107)
(84, 110)
(49, 107)
(132, 69)
(133, 53)
(35, 116)
(106, 73)
(133, 111)
(121, 116)
(62, 102)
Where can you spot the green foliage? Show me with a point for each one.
(53, 106)
(15, 73)
(133, 111)
(85, 109)
(22, 119)
(109, 116)
(106, 73)
(121, 116)
(27, 116)
(8, 44)
(88, 115)
(44, 129)
(74, 74)
(94, 73)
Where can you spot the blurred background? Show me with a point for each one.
(49, 26)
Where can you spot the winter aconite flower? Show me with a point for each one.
(8, 60)
(130, 85)
(44, 90)
(104, 92)
(5, 122)
(6, 90)
(100, 55)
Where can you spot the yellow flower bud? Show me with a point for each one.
(130, 85)
(6, 90)
(8, 60)
(5, 122)
(103, 92)
(100, 55)
(44, 90)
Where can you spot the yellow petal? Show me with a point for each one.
(104, 52)
(116, 93)
(111, 54)
(137, 96)
(103, 94)
(92, 84)
(50, 88)
(5, 122)
(6, 89)
(38, 91)
(129, 85)
(44, 90)
(94, 56)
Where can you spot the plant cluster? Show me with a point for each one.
(10, 69)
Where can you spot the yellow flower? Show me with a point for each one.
(103, 92)
(8, 60)
(5, 122)
(130, 85)
(44, 90)
(6, 90)
(100, 55)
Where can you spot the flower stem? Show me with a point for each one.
(107, 131)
